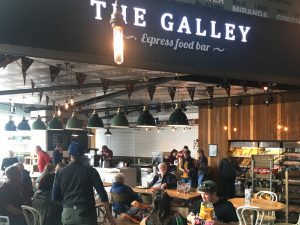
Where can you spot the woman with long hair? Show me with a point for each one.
(161, 213)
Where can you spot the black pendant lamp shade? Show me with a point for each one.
(23, 125)
(95, 121)
(178, 118)
(38, 124)
(119, 120)
(55, 124)
(10, 126)
(145, 119)
(107, 133)
(73, 123)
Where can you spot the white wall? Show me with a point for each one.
(141, 143)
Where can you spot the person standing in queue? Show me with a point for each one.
(107, 155)
(201, 164)
(43, 158)
(228, 169)
(187, 167)
(73, 185)
(172, 161)
(57, 154)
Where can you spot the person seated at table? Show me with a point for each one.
(224, 210)
(50, 211)
(161, 213)
(164, 179)
(10, 160)
(11, 196)
(49, 168)
(25, 177)
(118, 187)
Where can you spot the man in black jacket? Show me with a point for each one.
(73, 186)
(164, 179)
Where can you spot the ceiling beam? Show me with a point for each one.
(66, 87)
(236, 82)
(156, 81)
(110, 96)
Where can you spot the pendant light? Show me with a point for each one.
(23, 125)
(117, 23)
(38, 124)
(119, 120)
(95, 121)
(73, 123)
(178, 117)
(145, 119)
(55, 124)
(10, 126)
(107, 133)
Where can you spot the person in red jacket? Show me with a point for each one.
(43, 158)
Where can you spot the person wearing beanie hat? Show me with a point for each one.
(73, 186)
(224, 210)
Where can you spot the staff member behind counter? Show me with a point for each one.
(107, 154)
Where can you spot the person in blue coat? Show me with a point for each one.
(119, 187)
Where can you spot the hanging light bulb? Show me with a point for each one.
(66, 105)
(59, 111)
(173, 129)
(184, 130)
(158, 130)
(117, 23)
(72, 101)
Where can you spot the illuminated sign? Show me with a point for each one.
(186, 25)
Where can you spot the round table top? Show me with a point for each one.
(260, 203)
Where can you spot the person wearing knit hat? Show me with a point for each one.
(73, 186)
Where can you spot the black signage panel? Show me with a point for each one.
(156, 32)
(65, 137)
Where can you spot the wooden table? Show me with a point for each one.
(107, 184)
(266, 205)
(172, 193)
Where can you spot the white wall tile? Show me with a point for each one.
(141, 143)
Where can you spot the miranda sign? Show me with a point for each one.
(190, 26)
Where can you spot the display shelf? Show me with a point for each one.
(291, 194)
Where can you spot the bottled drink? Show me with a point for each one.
(207, 211)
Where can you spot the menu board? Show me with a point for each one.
(285, 10)
(64, 137)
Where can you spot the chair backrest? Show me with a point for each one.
(269, 195)
(118, 197)
(298, 223)
(4, 220)
(31, 215)
(244, 215)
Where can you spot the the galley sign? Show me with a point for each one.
(200, 28)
